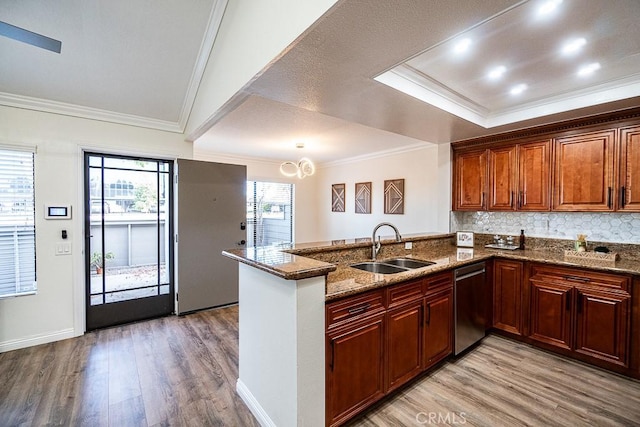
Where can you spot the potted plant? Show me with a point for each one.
(96, 260)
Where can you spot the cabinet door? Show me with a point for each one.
(507, 296)
(534, 176)
(470, 180)
(502, 179)
(438, 327)
(583, 178)
(629, 182)
(355, 366)
(551, 305)
(602, 322)
(404, 341)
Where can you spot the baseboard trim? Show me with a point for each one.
(253, 405)
(36, 340)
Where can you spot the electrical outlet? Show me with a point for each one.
(408, 245)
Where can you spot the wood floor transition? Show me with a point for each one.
(182, 371)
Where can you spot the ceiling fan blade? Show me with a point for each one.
(29, 37)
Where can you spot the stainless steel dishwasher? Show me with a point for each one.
(469, 303)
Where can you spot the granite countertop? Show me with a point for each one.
(296, 262)
(345, 281)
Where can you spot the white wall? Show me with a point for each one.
(306, 200)
(252, 34)
(57, 311)
(427, 193)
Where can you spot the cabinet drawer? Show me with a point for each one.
(438, 282)
(581, 277)
(404, 292)
(355, 307)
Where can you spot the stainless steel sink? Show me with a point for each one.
(391, 266)
(408, 263)
(379, 267)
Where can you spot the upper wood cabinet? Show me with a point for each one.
(503, 171)
(534, 176)
(584, 172)
(470, 180)
(629, 176)
(508, 178)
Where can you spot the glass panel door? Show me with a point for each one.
(129, 245)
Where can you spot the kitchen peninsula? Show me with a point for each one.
(282, 361)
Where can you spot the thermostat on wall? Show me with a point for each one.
(57, 212)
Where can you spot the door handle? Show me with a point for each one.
(623, 194)
(609, 197)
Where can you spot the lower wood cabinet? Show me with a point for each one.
(404, 329)
(438, 327)
(586, 313)
(377, 341)
(507, 295)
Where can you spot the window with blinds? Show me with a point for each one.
(17, 223)
(269, 213)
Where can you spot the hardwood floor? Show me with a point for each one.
(181, 371)
(505, 383)
(177, 371)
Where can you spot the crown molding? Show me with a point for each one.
(377, 154)
(55, 107)
(211, 33)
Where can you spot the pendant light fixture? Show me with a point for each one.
(302, 168)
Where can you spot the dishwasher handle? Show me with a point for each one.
(469, 271)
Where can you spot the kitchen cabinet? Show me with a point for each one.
(438, 327)
(470, 180)
(379, 340)
(502, 178)
(507, 295)
(586, 313)
(584, 172)
(629, 175)
(534, 176)
(520, 177)
(515, 177)
(404, 329)
(355, 356)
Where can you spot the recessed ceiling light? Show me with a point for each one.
(588, 69)
(548, 7)
(462, 46)
(497, 72)
(518, 89)
(573, 46)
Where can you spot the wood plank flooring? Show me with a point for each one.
(505, 383)
(181, 371)
(178, 371)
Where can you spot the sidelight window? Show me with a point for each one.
(17, 223)
(269, 213)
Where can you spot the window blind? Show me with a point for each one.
(269, 213)
(17, 223)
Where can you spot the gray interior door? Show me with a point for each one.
(211, 217)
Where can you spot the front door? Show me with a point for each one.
(211, 218)
(129, 239)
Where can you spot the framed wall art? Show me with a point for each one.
(338, 197)
(394, 196)
(363, 197)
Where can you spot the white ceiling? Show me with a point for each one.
(133, 62)
(140, 63)
(330, 72)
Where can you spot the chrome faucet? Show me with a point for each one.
(376, 245)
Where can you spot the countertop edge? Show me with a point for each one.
(321, 270)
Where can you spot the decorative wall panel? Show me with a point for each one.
(363, 197)
(394, 196)
(338, 197)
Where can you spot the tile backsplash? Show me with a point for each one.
(602, 227)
